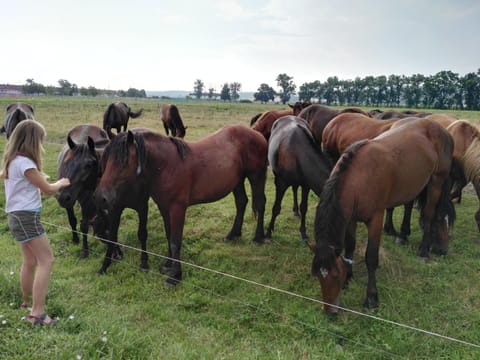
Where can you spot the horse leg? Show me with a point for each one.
(280, 188)
(303, 213)
(84, 224)
(165, 269)
(241, 201)
(166, 128)
(177, 221)
(388, 227)
(295, 200)
(371, 259)
(72, 220)
(112, 245)
(257, 184)
(402, 237)
(142, 234)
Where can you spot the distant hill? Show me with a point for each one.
(181, 94)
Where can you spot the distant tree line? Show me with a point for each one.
(65, 88)
(444, 90)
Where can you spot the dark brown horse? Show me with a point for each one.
(296, 160)
(466, 153)
(116, 116)
(177, 174)
(411, 159)
(14, 114)
(172, 121)
(79, 161)
(318, 116)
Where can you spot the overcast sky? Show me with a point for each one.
(168, 44)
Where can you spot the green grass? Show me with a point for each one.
(230, 309)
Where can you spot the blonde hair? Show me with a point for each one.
(26, 139)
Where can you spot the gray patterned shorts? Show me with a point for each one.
(25, 225)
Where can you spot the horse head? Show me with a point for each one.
(79, 163)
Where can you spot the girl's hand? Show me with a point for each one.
(64, 182)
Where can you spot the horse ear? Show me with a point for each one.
(291, 106)
(91, 144)
(130, 137)
(70, 142)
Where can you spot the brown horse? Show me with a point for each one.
(466, 153)
(395, 114)
(172, 121)
(411, 159)
(296, 160)
(318, 116)
(177, 174)
(79, 161)
(116, 116)
(263, 122)
(14, 114)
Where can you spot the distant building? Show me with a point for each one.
(7, 90)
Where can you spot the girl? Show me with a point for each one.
(24, 180)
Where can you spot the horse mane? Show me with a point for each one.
(330, 224)
(182, 147)
(118, 149)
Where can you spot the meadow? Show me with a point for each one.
(237, 300)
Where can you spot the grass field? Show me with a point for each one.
(238, 300)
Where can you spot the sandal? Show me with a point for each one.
(40, 320)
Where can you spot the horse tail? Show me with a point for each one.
(134, 115)
(330, 224)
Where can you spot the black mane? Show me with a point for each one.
(330, 223)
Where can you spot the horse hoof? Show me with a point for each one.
(171, 283)
(144, 269)
(400, 241)
(101, 272)
(84, 254)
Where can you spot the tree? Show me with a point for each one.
(285, 82)
(225, 93)
(234, 90)
(198, 88)
(31, 87)
(264, 93)
(211, 93)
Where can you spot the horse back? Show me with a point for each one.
(265, 122)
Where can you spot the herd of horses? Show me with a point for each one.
(360, 164)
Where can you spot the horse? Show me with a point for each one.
(318, 116)
(14, 114)
(466, 137)
(79, 161)
(394, 114)
(296, 160)
(409, 160)
(172, 121)
(176, 174)
(116, 116)
(263, 123)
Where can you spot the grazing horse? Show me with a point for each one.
(177, 174)
(79, 161)
(14, 114)
(318, 116)
(116, 116)
(411, 159)
(296, 160)
(466, 153)
(263, 122)
(394, 114)
(172, 121)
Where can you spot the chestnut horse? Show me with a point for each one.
(296, 160)
(79, 161)
(172, 121)
(14, 114)
(116, 116)
(177, 174)
(466, 153)
(411, 159)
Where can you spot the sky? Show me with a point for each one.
(164, 45)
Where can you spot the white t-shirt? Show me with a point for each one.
(20, 193)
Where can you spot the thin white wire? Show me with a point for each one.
(286, 292)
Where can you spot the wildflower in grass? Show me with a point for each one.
(71, 317)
